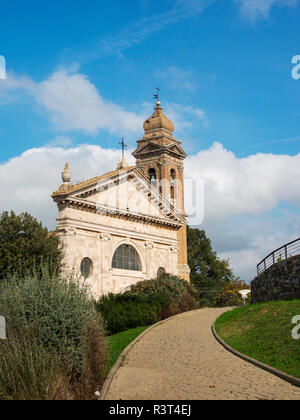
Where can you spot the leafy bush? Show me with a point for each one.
(55, 344)
(167, 284)
(25, 244)
(130, 310)
(147, 302)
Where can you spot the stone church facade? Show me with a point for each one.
(128, 225)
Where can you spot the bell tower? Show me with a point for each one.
(159, 156)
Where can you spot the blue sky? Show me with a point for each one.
(80, 75)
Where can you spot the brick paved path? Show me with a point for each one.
(181, 360)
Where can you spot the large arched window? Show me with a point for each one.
(126, 258)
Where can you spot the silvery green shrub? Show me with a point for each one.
(52, 317)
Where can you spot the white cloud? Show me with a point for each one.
(27, 181)
(251, 185)
(240, 194)
(73, 103)
(60, 141)
(254, 9)
(246, 240)
(185, 116)
(177, 79)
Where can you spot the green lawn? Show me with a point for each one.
(118, 342)
(264, 331)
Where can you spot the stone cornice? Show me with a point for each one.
(114, 212)
(71, 225)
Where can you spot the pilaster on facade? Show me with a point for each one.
(149, 258)
(105, 237)
(174, 249)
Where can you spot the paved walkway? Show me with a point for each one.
(181, 360)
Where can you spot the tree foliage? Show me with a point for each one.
(230, 292)
(25, 244)
(208, 272)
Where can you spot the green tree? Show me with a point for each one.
(208, 272)
(230, 292)
(25, 244)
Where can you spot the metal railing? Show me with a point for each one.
(283, 253)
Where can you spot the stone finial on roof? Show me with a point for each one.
(123, 164)
(66, 178)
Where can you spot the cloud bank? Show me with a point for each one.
(73, 103)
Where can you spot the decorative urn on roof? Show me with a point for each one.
(66, 178)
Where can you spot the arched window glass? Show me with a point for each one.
(160, 272)
(86, 268)
(152, 176)
(126, 258)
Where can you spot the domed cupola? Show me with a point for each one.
(158, 121)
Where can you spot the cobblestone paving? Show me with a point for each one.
(181, 360)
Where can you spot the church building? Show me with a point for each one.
(128, 225)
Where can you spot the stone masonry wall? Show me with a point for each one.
(281, 281)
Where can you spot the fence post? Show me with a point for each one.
(286, 253)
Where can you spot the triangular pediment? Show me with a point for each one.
(176, 148)
(151, 147)
(126, 193)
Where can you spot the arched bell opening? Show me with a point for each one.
(152, 177)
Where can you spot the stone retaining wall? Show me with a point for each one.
(281, 281)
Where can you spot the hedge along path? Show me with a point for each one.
(180, 359)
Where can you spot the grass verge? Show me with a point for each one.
(263, 331)
(118, 342)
